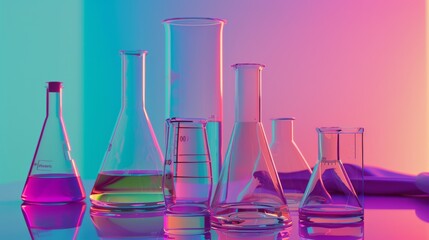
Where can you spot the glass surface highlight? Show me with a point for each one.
(194, 76)
(330, 195)
(249, 195)
(291, 165)
(131, 173)
(53, 176)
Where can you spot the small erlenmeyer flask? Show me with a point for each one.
(291, 165)
(249, 195)
(131, 173)
(330, 195)
(53, 176)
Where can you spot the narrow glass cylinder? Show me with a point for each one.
(194, 76)
(53, 176)
(131, 174)
(249, 195)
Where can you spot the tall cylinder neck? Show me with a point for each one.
(54, 99)
(282, 129)
(248, 92)
(133, 80)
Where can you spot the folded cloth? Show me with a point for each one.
(377, 181)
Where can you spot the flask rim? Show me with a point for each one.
(237, 65)
(340, 130)
(283, 119)
(133, 52)
(194, 21)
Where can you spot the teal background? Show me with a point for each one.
(329, 63)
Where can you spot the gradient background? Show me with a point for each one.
(332, 62)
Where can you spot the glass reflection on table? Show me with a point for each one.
(123, 224)
(53, 221)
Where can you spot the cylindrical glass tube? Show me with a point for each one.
(194, 76)
(249, 195)
(131, 174)
(330, 195)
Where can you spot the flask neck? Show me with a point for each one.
(282, 130)
(54, 100)
(133, 80)
(248, 92)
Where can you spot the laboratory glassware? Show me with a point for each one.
(291, 165)
(194, 76)
(53, 176)
(131, 173)
(125, 224)
(330, 195)
(249, 195)
(53, 221)
(187, 181)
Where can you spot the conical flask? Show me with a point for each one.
(249, 195)
(291, 165)
(53, 176)
(131, 173)
(330, 195)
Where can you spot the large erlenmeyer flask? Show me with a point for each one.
(131, 174)
(194, 76)
(330, 195)
(249, 195)
(53, 176)
(291, 165)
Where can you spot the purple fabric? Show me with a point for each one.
(377, 181)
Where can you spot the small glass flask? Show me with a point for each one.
(291, 165)
(53, 176)
(330, 196)
(131, 173)
(187, 182)
(249, 195)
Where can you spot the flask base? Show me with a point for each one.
(251, 216)
(331, 214)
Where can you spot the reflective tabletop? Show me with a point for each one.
(386, 217)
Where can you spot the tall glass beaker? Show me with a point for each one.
(131, 173)
(194, 76)
(291, 165)
(53, 176)
(249, 195)
(330, 195)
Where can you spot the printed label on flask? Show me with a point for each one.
(43, 165)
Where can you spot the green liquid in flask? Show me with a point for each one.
(128, 189)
